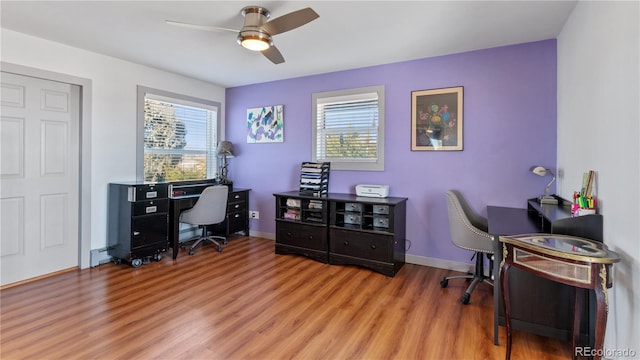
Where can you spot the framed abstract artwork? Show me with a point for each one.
(436, 119)
(265, 124)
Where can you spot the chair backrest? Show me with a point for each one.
(211, 207)
(468, 229)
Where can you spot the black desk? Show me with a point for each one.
(237, 215)
(539, 305)
(505, 221)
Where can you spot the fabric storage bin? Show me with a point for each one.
(380, 221)
(352, 207)
(381, 209)
(353, 219)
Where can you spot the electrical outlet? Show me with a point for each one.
(254, 215)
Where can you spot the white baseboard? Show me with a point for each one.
(439, 263)
(262, 234)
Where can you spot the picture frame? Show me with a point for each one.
(437, 119)
(265, 124)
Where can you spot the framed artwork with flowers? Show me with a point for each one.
(436, 119)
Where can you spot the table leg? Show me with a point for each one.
(578, 301)
(497, 295)
(601, 311)
(174, 228)
(504, 286)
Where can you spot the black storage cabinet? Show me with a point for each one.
(138, 222)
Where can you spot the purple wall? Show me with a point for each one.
(509, 125)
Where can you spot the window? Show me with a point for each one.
(177, 136)
(348, 128)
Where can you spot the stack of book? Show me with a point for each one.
(293, 209)
(314, 212)
(314, 178)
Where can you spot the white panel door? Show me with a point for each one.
(39, 177)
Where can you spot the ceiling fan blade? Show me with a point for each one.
(199, 27)
(289, 21)
(274, 55)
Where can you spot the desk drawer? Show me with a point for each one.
(236, 207)
(362, 245)
(150, 207)
(301, 235)
(149, 229)
(237, 197)
(148, 192)
(237, 221)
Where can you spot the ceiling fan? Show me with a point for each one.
(257, 32)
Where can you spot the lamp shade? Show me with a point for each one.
(225, 148)
(542, 171)
(539, 170)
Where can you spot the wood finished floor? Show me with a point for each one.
(248, 303)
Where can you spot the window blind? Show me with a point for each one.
(347, 128)
(179, 140)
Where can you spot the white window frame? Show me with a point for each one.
(162, 95)
(343, 95)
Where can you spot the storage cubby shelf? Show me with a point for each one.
(344, 229)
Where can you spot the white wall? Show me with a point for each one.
(113, 115)
(598, 117)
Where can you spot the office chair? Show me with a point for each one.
(469, 232)
(210, 209)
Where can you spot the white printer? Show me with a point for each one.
(379, 191)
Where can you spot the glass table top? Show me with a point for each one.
(564, 246)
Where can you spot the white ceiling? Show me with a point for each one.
(347, 35)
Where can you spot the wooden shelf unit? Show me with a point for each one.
(343, 229)
(301, 225)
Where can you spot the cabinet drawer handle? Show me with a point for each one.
(288, 234)
(310, 237)
(236, 197)
(237, 206)
(237, 216)
(346, 243)
(136, 233)
(373, 247)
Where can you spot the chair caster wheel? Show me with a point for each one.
(465, 298)
(191, 251)
(444, 283)
(219, 248)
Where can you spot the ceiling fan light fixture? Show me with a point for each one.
(257, 31)
(254, 43)
(255, 40)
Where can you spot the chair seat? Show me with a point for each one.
(210, 209)
(469, 232)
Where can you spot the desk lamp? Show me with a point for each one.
(225, 150)
(547, 198)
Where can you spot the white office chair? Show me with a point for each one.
(469, 231)
(210, 209)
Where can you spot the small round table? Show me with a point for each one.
(569, 260)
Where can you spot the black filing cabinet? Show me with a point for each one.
(238, 212)
(138, 222)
